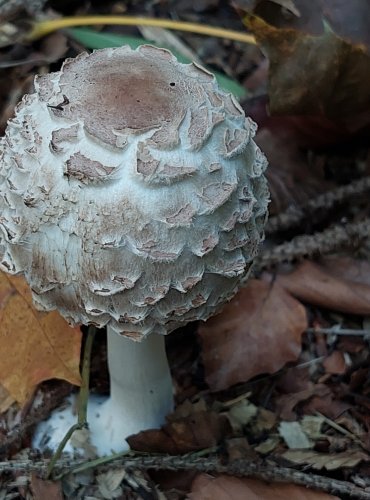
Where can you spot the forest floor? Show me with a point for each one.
(272, 394)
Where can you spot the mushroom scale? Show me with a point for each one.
(131, 192)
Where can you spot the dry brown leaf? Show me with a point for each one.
(257, 332)
(309, 74)
(6, 400)
(199, 430)
(252, 4)
(335, 363)
(319, 461)
(206, 487)
(42, 489)
(286, 403)
(347, 268)
(314, 284)
(348, 19)
(34, 346)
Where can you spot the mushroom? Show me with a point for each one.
(132, 197)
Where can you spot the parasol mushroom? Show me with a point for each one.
(132, 197)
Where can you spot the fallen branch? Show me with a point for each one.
(239, 468)
(329, 240)
(337, 330)
(294, 215)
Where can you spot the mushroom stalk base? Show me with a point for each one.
(141, 390)
(141, 397)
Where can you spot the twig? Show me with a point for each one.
(335, 330)
(327, 241)
(324, 202)
(241, 468)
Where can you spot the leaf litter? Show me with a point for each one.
(263, 382)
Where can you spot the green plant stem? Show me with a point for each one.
(83, 398)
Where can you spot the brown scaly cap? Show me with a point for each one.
(131, 192)
(123, 92)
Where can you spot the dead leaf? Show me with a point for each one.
(335, 363)
(109, 483)
(348, 19)
(320, 461)
(355, 270)
(206, 487)
(42, 489)
(199, 430)
(314, 75)
(252, 4)
(311, 425)
(257, 332)
(286, 403)
(241, 414)
(6, 400)
(314, 284)
(34, 346)
(294, 436)
(327, 404)
(238, 448)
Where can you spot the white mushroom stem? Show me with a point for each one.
(140, 385)
(141, 393)
(141, 397)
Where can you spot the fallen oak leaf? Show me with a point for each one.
(206, 487)
(6, 400)
(310, 74)
(259, 331)
(35, 346)
(314, 284)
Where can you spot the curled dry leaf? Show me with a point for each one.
(196, 431)
(34, 346)
(321, 286)
(206, 487)
(257, 332)
(309, 74)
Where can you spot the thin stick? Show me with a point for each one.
(212, 464)
(339, 331)
(333, 238)
(82, 401)
(294, 215)
(83, 396)
(43, 28)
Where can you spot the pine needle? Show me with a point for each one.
(42, 28)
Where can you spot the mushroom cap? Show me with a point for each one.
(131, 192)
